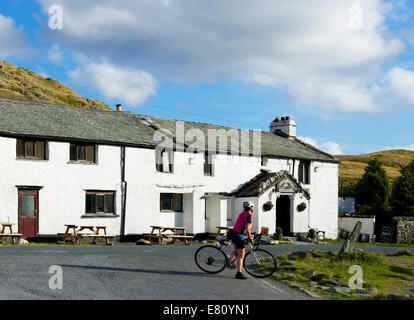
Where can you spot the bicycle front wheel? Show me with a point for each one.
(210, 259)
(259, 263)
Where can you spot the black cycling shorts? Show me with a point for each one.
(237, 239)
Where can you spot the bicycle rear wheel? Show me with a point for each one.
(259, 263)
(210, 259)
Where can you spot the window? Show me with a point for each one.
(164, 160)
(82, 152)
(97, 202)
(171, 202)
(31, 149)
(304, 172)
(208, 164)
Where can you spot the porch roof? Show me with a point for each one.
(264, 181)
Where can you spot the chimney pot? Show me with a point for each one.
(284, 124)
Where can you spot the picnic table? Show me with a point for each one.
(160, 233)
(72, 232)
(220, 229)
(10, 234)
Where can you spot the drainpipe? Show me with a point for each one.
(123, 192)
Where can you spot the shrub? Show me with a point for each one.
(403, 192)
(278, 234)
(312, 234)
(373, 189)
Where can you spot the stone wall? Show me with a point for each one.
(404, 229)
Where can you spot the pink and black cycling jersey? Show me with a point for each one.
(243, 219)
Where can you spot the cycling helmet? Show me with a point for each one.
(248, 204)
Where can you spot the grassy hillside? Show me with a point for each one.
(24, 84)
(352, 167)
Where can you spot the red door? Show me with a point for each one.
(28, 213)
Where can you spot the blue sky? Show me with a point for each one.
(343, 70)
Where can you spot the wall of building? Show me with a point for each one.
(62, 196)
(323, 206)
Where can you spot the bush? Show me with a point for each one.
(278, 234)
(403, 192)
(312, 234)
(373, 189)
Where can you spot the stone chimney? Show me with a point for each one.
(285, 125)
(119, 107)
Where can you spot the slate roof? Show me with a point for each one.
(19, 118)
(264, 181)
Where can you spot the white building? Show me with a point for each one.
(65, 165)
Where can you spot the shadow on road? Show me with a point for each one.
(171, 272)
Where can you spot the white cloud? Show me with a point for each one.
(55, 54)
(402, 83)
(307, 47)
(12, 40)
(130, 86)
(329, 147)
(332, 148)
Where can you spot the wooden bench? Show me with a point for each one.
(10, 234)
(160, 233)
(98, 236)
(220, 229)
(13, 236)
(78, 234)
(173, 236)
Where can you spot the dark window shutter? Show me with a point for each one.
(73, 156)
(40, 152)
(20, 148)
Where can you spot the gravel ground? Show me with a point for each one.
(130, 272)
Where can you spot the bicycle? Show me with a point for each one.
(257, 262)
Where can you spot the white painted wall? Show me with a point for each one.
(62, 198)
(348, 224)
(266, 218)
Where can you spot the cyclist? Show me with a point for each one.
(241, 231)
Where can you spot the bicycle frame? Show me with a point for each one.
(251, 248)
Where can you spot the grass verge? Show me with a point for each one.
(384, 276)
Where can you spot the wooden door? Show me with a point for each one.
(28, 213)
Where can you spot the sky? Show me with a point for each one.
(343, 69)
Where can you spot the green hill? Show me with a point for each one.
(352, 166)
(24, 84)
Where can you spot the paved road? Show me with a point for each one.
(132, 272)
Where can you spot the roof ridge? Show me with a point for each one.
(314, 148)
